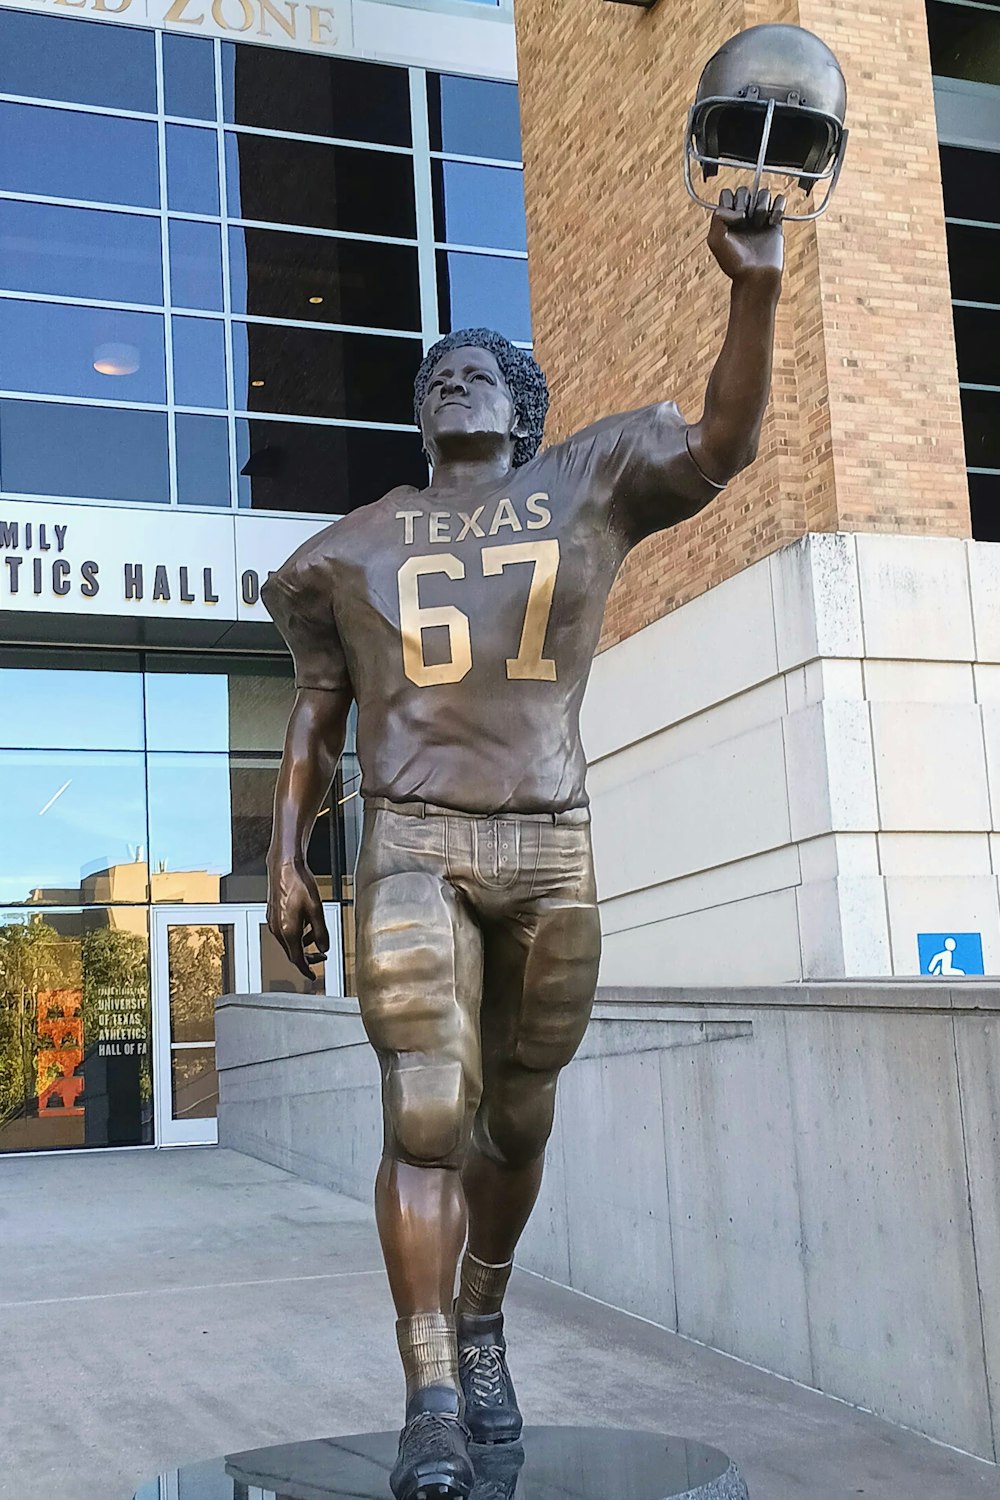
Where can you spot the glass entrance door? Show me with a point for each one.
(200, 953)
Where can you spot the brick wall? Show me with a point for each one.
(864, 429)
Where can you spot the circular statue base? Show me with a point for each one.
(572, 1463)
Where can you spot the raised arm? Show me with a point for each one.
(746, 240)
(314, 742)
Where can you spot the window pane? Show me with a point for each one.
(189, 77)
(260, 701)
(81, 351)
(279, 275)
(278, 975)
(285, 90)
(49, 57)
(194, 1083)
(190, 835)
(48, 702)
(199, 361)
(195, 264)
(95, 452)
(977, 336)
(210, 826)
(192, 170)
(973, 258)
(202, 461)
(211, 703)
(252, 780)
(484, 291)
(473, 117)
(964, 43)
(971, 183)
(318, 373)
(80, 252)
(298, 466)
(201, 969)
(984, 493)
(74, 827)
(186, 710)
(968, 114)
(75, 1030)
(479, 205)
(323, 187)
(59, 153)
(981, 419)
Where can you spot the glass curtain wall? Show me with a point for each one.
(965, 60)
(130, 781)
(220, 263)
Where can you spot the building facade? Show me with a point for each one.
(793, 727)
(227, 234)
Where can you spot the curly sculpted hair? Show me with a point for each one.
(525, 381)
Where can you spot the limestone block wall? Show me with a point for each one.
(796, 773)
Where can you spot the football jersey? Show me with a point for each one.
(465, 625)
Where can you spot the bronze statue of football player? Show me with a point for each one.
(462, 620)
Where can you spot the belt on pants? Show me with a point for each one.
(431, 810)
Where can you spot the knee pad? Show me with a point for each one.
(426, 1110)
(514, 1125)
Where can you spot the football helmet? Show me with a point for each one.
(771, 100)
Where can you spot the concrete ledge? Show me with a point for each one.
(806, 1176)
(970, 994)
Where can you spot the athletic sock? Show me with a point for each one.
(429, 1350)
(482, 1286)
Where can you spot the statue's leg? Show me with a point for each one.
(419, 985)
(540, 976)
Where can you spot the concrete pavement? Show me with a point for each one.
(159, 1308)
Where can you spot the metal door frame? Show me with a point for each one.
(168, 1131)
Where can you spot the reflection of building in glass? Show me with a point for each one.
(221, 264)
(132, 884)
(75, 1029)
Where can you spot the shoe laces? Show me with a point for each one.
(422, 1435)
(487, 1370)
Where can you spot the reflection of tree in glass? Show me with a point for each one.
(116, 985)
(197, 963)
(33, 958)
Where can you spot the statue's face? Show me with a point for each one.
(467, 397)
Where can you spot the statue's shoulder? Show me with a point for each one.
(312, 565)
(641, 418)
(309, 567)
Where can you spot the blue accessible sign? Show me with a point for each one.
(950, 953)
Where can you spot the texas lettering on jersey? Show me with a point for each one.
(414, 619)
(466, 631)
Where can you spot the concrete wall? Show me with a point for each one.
(806, 1176)
(796, 773)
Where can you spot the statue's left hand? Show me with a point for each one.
(746, 237)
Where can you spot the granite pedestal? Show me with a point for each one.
(571, 1463)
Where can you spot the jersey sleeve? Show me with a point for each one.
(302, 609)
(653, 481)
